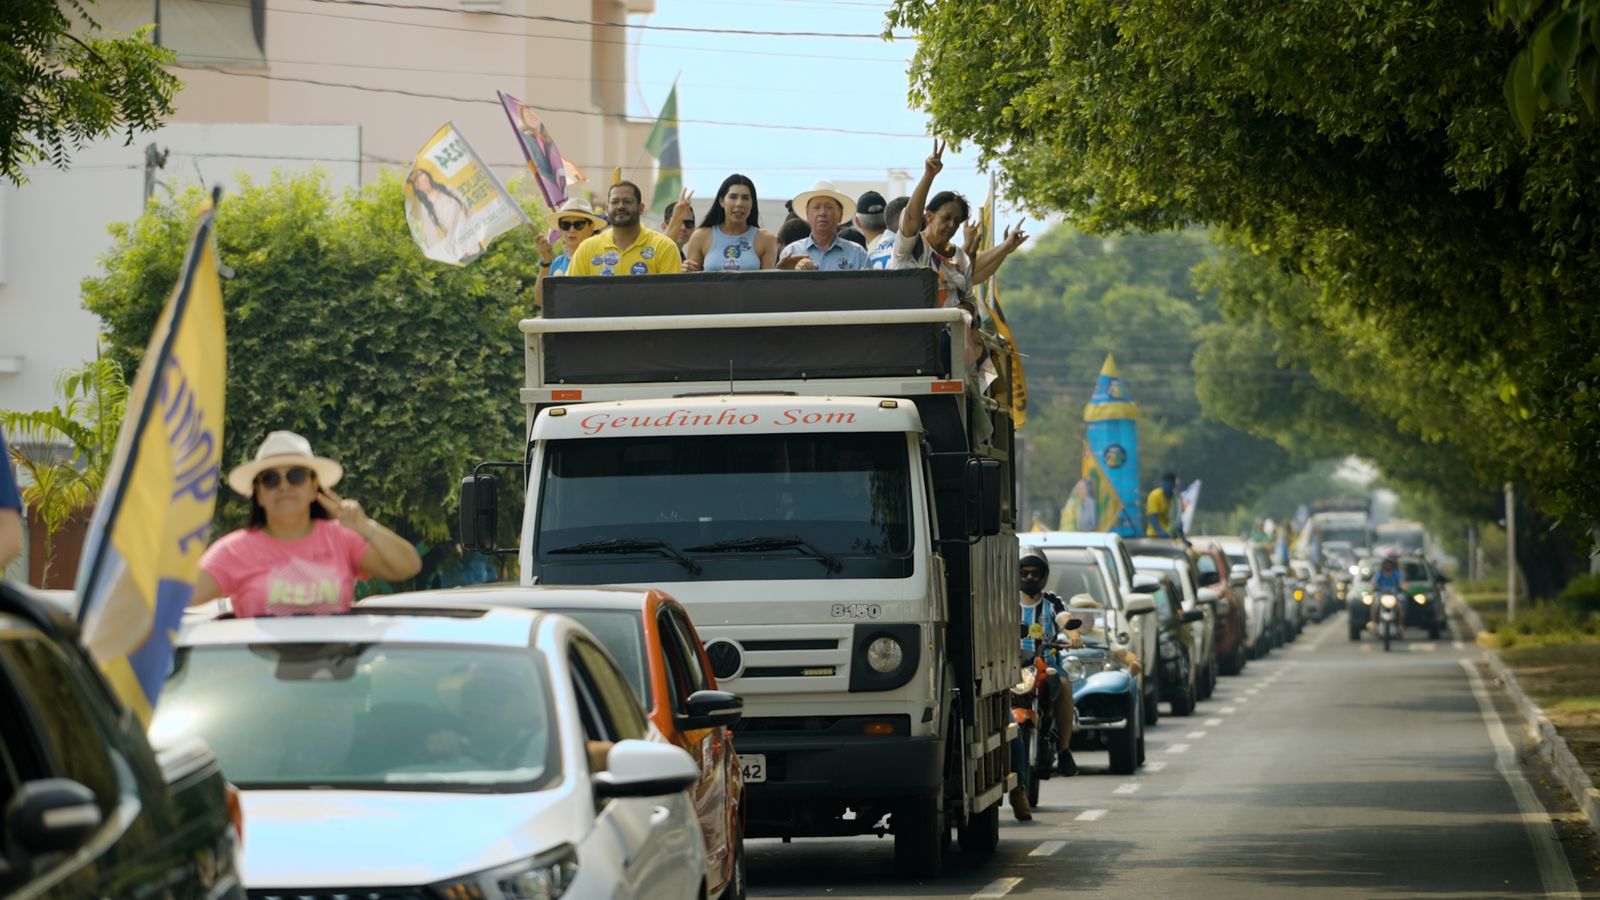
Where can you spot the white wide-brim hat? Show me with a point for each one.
(283, 448)
(825, 189)
(575, 207)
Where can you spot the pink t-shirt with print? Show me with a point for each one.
(265, 576)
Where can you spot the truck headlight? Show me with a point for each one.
(1422, 599)
(543, 877)
(884, 655)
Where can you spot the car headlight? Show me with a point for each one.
(1389, 601)
(1367, 599)
(1073, 668)
(1422, 599)
(884, 655)
(543, 877)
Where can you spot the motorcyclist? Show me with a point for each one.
(1039, 609)
(1387, 580)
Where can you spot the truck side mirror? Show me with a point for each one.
(480, 510)
(984, 493)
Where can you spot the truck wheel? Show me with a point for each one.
(981, 834)
(1124, 747)
(920, 835)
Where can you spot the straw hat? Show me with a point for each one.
(283, 448)
(824, 189)
(576, 207)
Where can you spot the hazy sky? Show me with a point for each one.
(854, 84)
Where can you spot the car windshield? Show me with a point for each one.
(365, 715)
(764, 506)
(621, 631)
(1414, 571)
(1071, 577)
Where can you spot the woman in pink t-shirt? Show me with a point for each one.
(305, 546)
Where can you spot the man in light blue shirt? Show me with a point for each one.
(879, 251)
(824, 209)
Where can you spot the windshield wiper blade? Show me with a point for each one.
(758, 544)
(631, 545)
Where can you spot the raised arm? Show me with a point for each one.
(547, 255)
(988, 262)
(911, 220)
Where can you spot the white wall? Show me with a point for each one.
(54, 229)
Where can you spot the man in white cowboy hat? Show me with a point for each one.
(305, 546)
(824, 209)
(576, 220)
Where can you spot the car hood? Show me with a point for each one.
(330, 838)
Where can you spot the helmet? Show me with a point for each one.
(1033, 556)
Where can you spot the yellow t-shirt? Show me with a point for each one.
(1157, 505)
(653, 253)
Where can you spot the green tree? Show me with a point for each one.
(61, 86)
(66, 451)
(1366, 150)
(405, 370)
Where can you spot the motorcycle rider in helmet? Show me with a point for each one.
(1039, 609)
(1387, 580)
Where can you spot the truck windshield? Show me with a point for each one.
(734, 507)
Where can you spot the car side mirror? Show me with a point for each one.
(1207, 597)
(711, 709)
(1139, 605)
(1207, 579)
(52, 815)
(636, 768)
(1192, 615)
(1279, 571)
(480, 510)
(984, 488)
(1240, 570)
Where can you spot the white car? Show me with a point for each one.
(436, 753)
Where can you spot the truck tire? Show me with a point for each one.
(981, 834)
(920, 836)
(1124, 747)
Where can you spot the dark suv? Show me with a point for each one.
(86, 808)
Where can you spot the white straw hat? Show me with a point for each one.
(824, 189)
(574, 208)
(283, 448)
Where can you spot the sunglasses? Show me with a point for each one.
(296, 476)
(572, 224)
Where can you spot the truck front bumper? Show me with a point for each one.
(811, 778)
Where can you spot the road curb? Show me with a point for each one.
(1544, 741)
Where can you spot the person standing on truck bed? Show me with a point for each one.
(627, 248)
(578, 222)
(825, 210)
(731, 237)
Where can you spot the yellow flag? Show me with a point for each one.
(142, 554)
(616, 175)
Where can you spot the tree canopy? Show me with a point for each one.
(1364, 152)
(61, 86)
(404, 370)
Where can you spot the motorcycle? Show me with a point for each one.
(1032, 710)
(1388, 618)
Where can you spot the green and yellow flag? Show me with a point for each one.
(663, 145)
(1107, 504)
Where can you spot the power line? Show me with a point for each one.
(563, 20)
(424, 95)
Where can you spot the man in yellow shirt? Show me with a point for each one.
(627, 248)
(1160, 508)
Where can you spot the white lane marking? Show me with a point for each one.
(1547, 851)
(1212, 723)
(1048, 848)
(1252, 691)
(1156, 766)
(1240, 700)
(1457, 645)
(1424, 648)
(1129, 787)
(997, 888)
(1227, 710)
(1195, 735)
(1178, 748)
(1091, 815)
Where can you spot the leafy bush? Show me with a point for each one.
(1548, 623)
(1582, 594)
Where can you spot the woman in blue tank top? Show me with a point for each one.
(730, 238)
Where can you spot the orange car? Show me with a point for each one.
(657, 648)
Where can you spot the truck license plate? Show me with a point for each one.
(753, 766)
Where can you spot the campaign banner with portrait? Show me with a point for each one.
(455, 205)
(551, 170)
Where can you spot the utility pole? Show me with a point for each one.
(154, 158)
(1511, 551)
(1472, 552)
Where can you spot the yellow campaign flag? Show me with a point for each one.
(142, 553)
(1107, 504)
(1019, 378)
(616, 176)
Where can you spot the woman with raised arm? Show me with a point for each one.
(731, 238)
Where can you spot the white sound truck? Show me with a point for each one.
(796, 458)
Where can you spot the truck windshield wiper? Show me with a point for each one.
(758, 544)
(631, 545)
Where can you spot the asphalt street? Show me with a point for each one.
(1328, 769)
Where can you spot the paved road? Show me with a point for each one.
(1327, 769)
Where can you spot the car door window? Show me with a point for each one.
(617, 704)
(51, 733)
(677, 667)
(684, 635)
